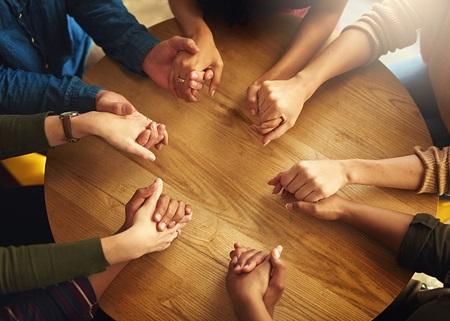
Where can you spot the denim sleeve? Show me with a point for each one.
(114, 29)
(426, 247)
(23, 92)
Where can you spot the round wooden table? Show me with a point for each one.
(217, 163)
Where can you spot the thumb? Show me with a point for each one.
(150, 203)
(276, 133)
(141, 151)
(184, 44)
(278, 273)
(217, 77)
(252, 99)
(304, 207)
(124, 109)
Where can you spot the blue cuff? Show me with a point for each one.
(80, 96)
(139, 46)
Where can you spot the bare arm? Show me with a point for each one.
(313, 33)
(402, 172)
(190, 19)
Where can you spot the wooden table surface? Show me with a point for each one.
(216, 163)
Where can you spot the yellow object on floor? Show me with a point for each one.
(27, 170)
(443, 212)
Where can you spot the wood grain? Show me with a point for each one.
(216, 162)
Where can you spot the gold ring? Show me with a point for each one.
(180, 80)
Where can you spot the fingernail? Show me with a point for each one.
(277, 251)
(158, 181)
(162, 226)
(289, 206)
(213, 92)
(158, 217)
(234, 260)
(237, 267)
(172, 224)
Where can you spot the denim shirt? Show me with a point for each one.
(44, 44)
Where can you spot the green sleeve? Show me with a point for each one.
(22, 134)
(29, 267)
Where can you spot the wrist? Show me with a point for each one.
(120, 248)
(85, 124)
(309, 83)
(251, 308)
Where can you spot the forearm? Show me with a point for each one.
(314, 31)
(190, 19)
(350, 50)
(29, 267)
(402, 172)
(387, 226)
(23, 92)
(28, 133)
(113, 28)
(252, 310)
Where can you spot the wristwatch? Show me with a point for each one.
(67, 125)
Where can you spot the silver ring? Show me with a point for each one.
(181, 80)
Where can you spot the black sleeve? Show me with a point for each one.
(426, 247)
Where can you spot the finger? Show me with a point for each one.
(277, 179)
(252, 99)
(197, 76)
(139, 198)
(217, 70)
(150, 203)
(179, 214)
(315, 196)
(143, 137)
(304, 191)
(288, 176)
(242, 260)
(254, 261)
(161, 208)
(138, 150)
(208, 77)
(295, 184)
(271, 123)
(167, 217)
(154, 137)
(274, 134)
(302, 207)
(166, 134)
(161, 136)
(186, 219)
(195, 85)
(278, 272)
(184, 44)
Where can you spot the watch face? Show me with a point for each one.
(70, 114)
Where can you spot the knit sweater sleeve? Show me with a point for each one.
(392, 24)
(437, 170)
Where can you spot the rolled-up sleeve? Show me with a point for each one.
(392, 24)
(426, 247)
(437, 170)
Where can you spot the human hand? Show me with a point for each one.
(265, 282)
(159, 61)
(277, 105)
(109, 101)
(143, 231)
(133, 133)
(312, 181)
(169, 212)
(329, 209)
(190, 72)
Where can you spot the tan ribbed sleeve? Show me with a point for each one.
(392, 24)
(437, 170)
